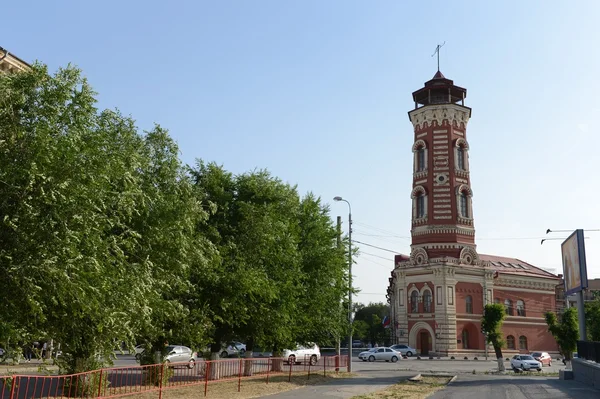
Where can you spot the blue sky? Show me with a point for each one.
(318, 93)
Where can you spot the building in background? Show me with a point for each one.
(10, 63)
(437, 294)
(590, 294)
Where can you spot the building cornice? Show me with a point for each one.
(432, 115)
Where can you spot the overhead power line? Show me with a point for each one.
(377, 256)
(375, 246)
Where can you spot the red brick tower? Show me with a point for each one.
(442, 212)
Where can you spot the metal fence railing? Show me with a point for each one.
(134, 380)
(589, 350)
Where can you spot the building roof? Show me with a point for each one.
(506, 265)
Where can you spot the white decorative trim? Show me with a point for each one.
(469, 256)
(419, 256)
(454, 114)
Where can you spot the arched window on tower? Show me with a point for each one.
(469, 304)
(508, 306)
(520, 308)
(460, 158)
(421, 159)
(463, 201)
(420, 205)
(420, 150)
(419, 200)
(461, 149)
(464, 205)
(427, 301)
(414, 302)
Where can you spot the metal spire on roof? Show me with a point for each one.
(437, 51)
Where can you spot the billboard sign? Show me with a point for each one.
(574, 266)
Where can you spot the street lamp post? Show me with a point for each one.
(349, 281)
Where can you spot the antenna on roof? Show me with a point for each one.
(437, 51)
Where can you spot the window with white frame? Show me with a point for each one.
(420, 151)
(520, 308)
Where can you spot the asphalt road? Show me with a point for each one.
(513, 387)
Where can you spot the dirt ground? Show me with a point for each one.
(252, 388)
(409, 390)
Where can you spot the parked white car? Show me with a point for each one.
(233, 349)
(525, 362)
(309, 353)
(381, 353)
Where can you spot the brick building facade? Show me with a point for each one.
(437, 294)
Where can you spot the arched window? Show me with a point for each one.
(523, 342)
(510, 342)
(460, 157)
(427, 301)
(508, 307)
(421, 165)
(420, 205)
(420, 150)
(419, 197)
(469, 304)
(414, 302)
(520, 308)
(465, 339)
(464, 204)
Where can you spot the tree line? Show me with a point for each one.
(106, 236)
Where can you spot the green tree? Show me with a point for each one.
(373, 315)
(491, 326)
(252, 285)
(94, 234)
(592, 319)
(565, 332)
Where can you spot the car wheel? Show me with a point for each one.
(313, 360)
(191, 363)
(549, 364)
(292, 359)
(224, 354)
(408, 354)
(242, 351)
(371, 358)
(394, 359)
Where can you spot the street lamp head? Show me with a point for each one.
(338, 198)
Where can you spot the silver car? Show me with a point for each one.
(381, 353)
(405, 350)
(180, 354)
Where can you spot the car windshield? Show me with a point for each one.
(170, 348)
(526, 358)
(536, 354)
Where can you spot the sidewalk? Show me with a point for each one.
(345, 388)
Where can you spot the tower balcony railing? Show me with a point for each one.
(440, 99)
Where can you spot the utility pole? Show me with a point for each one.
(349, 281)
(338, 348)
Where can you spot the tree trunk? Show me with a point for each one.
(248, 355)
(277, 361)
(215, 349)
(499, 358)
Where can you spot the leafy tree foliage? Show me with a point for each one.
(96, 218)
(105, 236)
(565, 331)
(491, 326)
(592, 319)
(371, 317)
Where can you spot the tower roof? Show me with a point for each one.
(439, 90)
